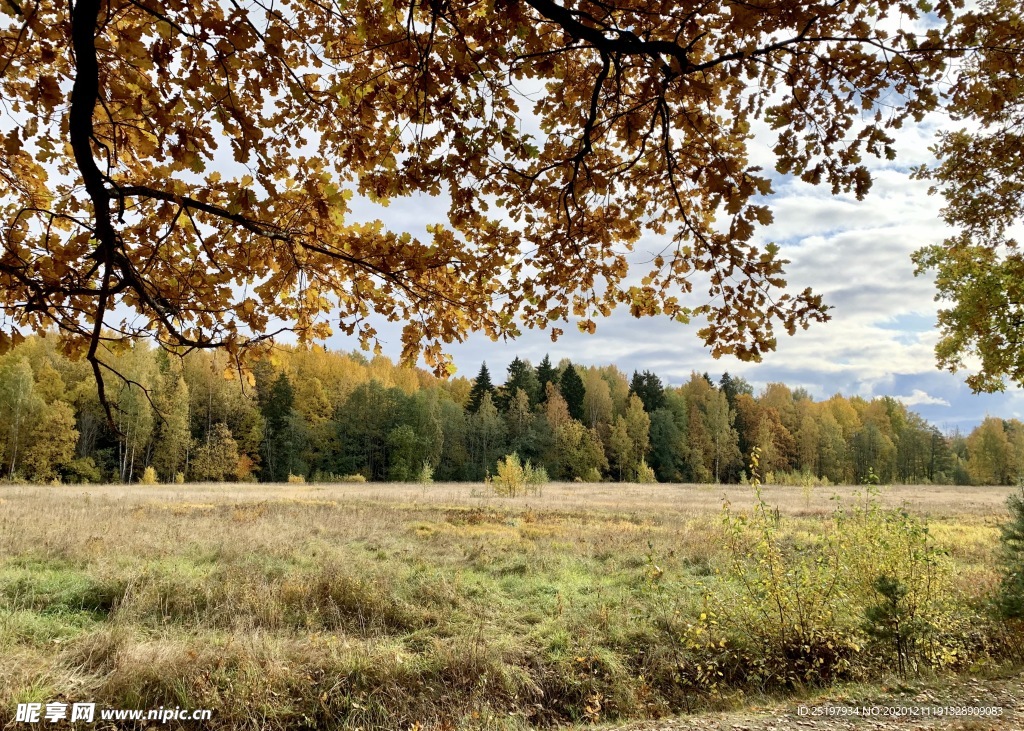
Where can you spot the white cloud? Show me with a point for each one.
(919, 398)
(856, 254)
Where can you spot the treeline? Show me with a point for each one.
(322, 415)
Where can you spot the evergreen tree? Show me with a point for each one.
(1011, 590)
(734, 386)
(481, 386)
(521, 376)
(278, 446)
(546, 373)
(264, 374)
(668, 442)
(363, 423)
(650, 389)
(573, 391)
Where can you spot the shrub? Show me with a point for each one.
(511, 478)
(644, 474)
(873, 585)
(904, 583)
(296, 478)
(1011, 589)
(798, 478)
(82, 470)
(426, 475)
(789, 596)
(515, 477)
(871, 478)
(895, 620)
(179, 478)
(148, 477)
(330, 478)
(534, 476)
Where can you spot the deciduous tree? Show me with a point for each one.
(217, 458)
(52, 443)
(979, 270)
(196, 162)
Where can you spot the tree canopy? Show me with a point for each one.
(188, 171)
(980, 269)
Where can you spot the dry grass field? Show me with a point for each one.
(446, 607)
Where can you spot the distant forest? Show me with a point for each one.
(326, 416)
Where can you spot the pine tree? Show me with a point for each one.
(278, 449)
(520, 376)
(669, 449)
(481, 386)
(546, 373)
(650, 389)
(573, 391)
(734, 386)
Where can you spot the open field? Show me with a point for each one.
(661, 500)
(386, 606)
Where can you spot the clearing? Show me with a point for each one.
(443, 606)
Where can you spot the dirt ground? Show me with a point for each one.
(958, 704)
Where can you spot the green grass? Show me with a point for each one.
(304, 609)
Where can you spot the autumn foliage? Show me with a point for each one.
(210, 174)
(324, 416)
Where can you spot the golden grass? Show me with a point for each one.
(935, 501)
(382, 606)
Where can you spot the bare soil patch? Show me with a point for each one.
(914, 705)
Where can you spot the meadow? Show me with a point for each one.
(444, 606)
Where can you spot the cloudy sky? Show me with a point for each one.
(856, 254)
